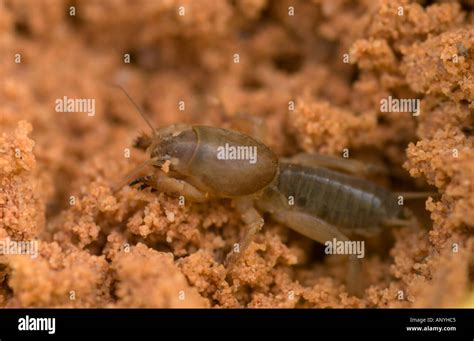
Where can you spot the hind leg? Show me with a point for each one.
(408, 220)
(417, 195)
(322, 232)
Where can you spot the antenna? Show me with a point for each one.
(138, 108)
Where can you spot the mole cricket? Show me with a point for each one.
(321, 197)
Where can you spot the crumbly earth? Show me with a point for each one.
(316, 79)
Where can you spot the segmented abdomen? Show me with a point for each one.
(341, 200)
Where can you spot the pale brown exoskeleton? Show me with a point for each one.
(321, 197)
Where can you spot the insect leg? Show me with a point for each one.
(253, 223)
(181, 187)
(417, 195)
(399, 222)
(321, 231)
(350, 166)
(133, 174)
(143, 181)
(163, 183)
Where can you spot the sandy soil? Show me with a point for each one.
(333, 59)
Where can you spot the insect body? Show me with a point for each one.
(307, 193)
(315, 201)
(352, 204)
(195, 164)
